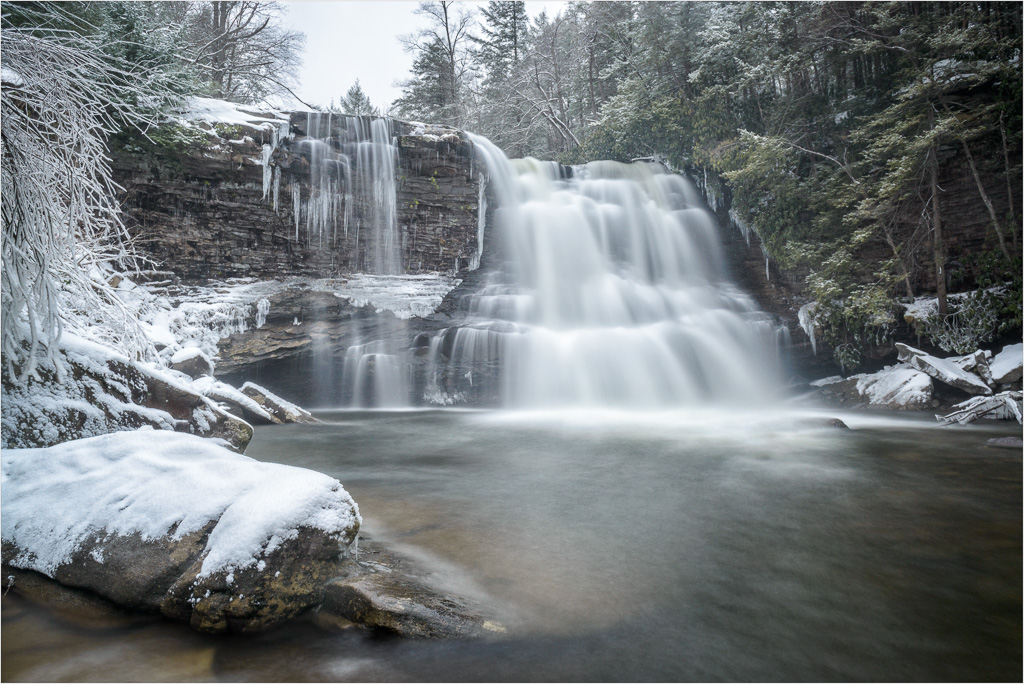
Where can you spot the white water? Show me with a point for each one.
(613, 293)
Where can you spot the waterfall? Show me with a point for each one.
(612, 291)
(353, 162)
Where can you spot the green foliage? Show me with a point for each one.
(976, 316)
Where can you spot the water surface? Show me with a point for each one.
(645, 546)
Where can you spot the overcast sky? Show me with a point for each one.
(350, 40)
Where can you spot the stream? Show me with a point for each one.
(615, 545)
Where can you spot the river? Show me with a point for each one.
(677, 545)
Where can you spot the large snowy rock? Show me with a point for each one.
(192, 362)
(901, 388)
(175, 523)
(947, 371)
(897, 387)
(1007, 366)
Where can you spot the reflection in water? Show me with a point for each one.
(620, 546)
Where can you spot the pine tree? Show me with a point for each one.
(356, 102)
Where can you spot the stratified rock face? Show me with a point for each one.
(256, 206)
(174, 523)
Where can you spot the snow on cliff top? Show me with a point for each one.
(219, 111)
(152, 482)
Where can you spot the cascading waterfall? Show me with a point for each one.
(614, 293)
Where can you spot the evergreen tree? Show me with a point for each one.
(356, 102)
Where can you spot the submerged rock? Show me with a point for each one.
(173, 523)
(1006, 442)
(382, 594)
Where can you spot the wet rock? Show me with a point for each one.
(281, 410)
(395, 603)
(947, 371)
(1006, 442)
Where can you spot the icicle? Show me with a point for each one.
(806, 318)
(296, 206)
(277, 189)
(267, 151)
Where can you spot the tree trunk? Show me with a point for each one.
(938, 252)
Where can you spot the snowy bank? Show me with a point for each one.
(96, 390)
(173, 522)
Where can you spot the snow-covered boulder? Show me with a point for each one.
(283, 411)
(100, 391)
(944, 370)
(1007, 366)
(175, 523)
(897, 387)
(192, 362)
(900, 388)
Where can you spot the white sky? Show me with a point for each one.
(349, 40)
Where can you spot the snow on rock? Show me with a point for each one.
(1002, 406)
(173, 522)
(944, 370)
(897, 387)
(283, 411)
(96, 391)
(1006, 367)
(250, 410)
(192, 361)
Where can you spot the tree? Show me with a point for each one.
(62, 98)
(435, 90)
(503, 43)
(243, 49)
(356, 102)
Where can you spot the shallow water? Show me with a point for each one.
(647, 546)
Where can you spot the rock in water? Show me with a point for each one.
(281, 410)
(1006, 442)
(1002, 406)
(170, 522)
(947, 371)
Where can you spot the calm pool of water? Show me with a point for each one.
(616, 546)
